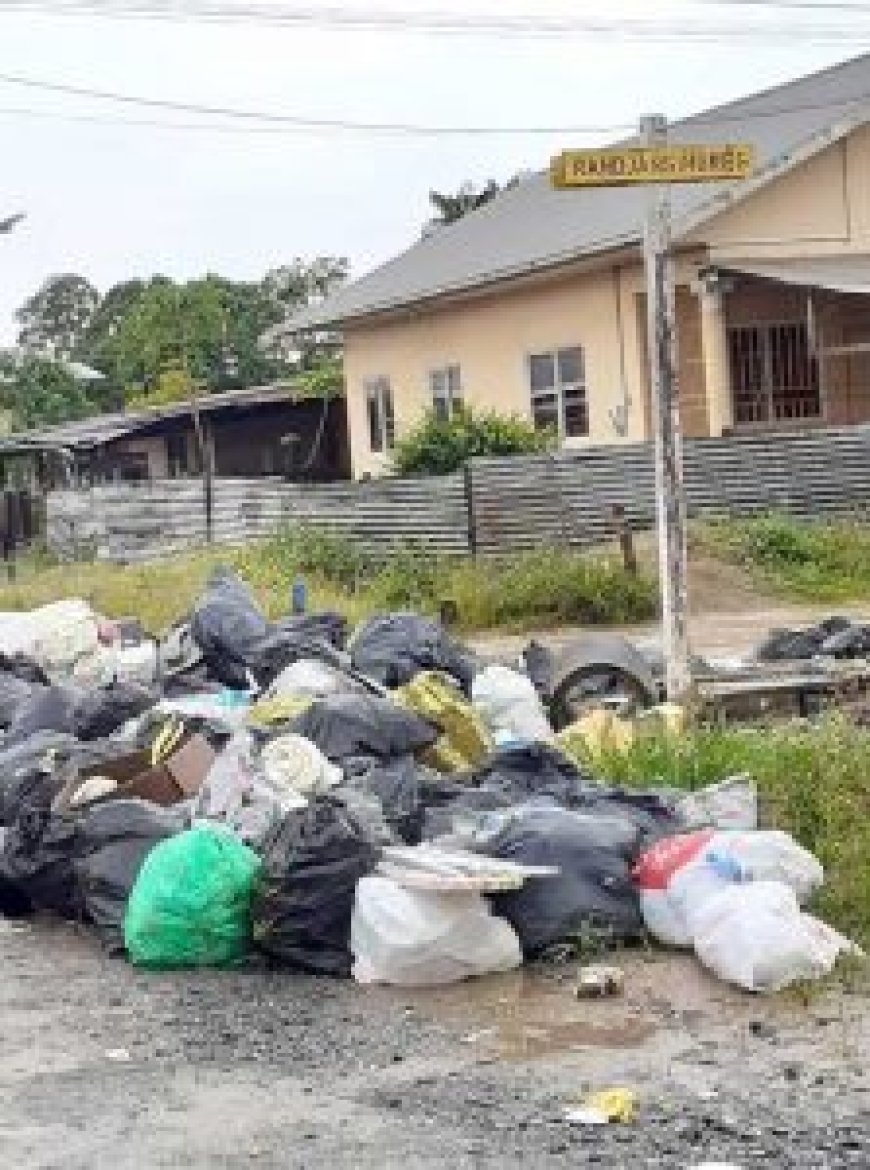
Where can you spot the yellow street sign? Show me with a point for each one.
(683, 163)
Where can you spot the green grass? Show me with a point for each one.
(546, 587)
(815, 561)
(813, 781)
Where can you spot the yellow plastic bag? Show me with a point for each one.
(268, 711)
(464, 742)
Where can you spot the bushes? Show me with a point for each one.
(437, 446)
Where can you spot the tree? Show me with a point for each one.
(55, 319)
(38, 391)
(452, 207)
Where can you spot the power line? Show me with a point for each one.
(469, 23)
(273, 123)
(277, 122)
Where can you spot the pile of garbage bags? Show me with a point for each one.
(386, 807)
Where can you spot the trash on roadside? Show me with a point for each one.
(393, 648)
(736, 897)
(191, 903)
(730, 804)
(592, 893)
(597, 982)
(422, 938)
(604, 1107)
(510, 705)
(464, 741)
(305, 891)
(400, 811)
(358, 725)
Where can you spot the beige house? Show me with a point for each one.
(535, 305)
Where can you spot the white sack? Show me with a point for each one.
(510, 705)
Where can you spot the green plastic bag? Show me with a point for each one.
(191, 904)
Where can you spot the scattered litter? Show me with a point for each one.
(595, 982)
(119, 1055)
(604, 1107)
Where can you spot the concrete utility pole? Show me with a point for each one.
(670, 496)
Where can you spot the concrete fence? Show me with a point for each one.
(494, 505)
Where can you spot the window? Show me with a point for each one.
(446, 388)
(558, 387)
(774, 375)
(379, 406)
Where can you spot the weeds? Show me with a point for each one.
(811, 560)
(531, 589)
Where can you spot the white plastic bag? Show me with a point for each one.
(730, 804)
(416, 938)
(756, 936)
(510, 705)
(295, 767)
(55, 635)
(678, 875)
(133, 664)
(236, 793)
(309, 678)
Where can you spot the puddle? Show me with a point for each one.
(525, 1014)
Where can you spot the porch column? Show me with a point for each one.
(714, 348)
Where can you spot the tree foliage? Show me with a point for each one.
(37, 391)
(437, 446)
(56, 318)
(156, 341)
(452, 206)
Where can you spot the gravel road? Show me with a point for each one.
(102, 1065)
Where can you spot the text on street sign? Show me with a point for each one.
(684, 163)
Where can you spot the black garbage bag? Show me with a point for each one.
(47, 709)
(328, 628)
(363, 725)
(303, 902)
(23, 668)
(652, 814)
(784, 645)
(15, 692)
(397, 786)
(533, 770)
(226, 623)
(113, 840)
(36, 865)
(593, 892)
(99, 712)
(31, 772)
(392, 648)
(851, 642)
(271, 654)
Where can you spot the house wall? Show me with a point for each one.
(491, 338)
(820, 208)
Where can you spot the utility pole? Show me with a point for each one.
(656, 165)
(670, 496)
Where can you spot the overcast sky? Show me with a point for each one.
(112, 201)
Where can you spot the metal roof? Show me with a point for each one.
(534, 227)
(104, 428)
(845, 274)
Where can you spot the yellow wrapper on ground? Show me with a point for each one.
(465, 741)
(615, 1104)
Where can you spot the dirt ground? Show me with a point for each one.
(103, 1065)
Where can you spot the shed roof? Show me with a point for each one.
(104, 428)
(533, 227)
